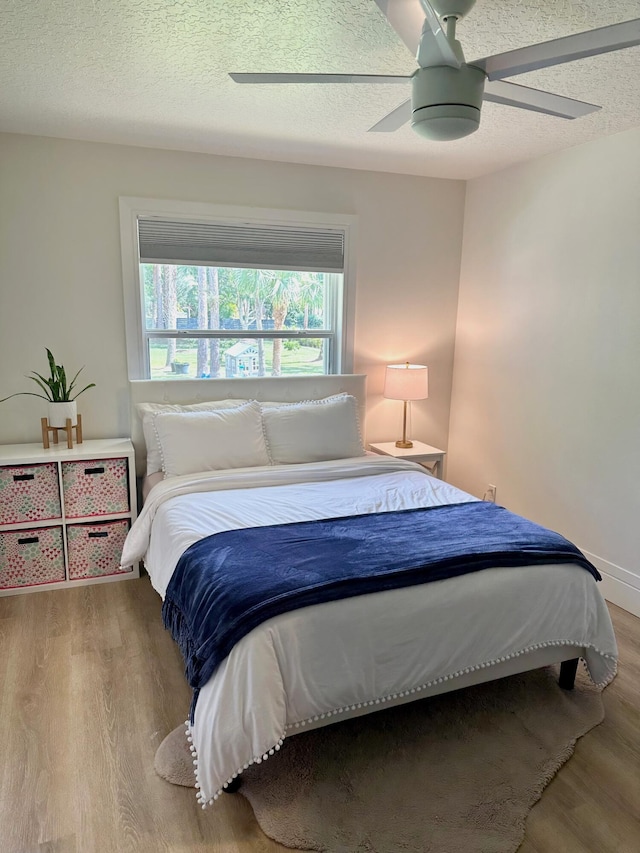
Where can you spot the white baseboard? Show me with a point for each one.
(619, 586)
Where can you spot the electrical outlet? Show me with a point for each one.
(490, 493)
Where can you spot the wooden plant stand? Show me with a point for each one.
(68, 429)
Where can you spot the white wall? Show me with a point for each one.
(546, 395)
(61, 280)
(546, 400)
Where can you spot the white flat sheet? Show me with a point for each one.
(332, 659)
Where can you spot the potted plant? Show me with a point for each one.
(60, 394)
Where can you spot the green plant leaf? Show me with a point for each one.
(50, 383)
(55, 387)
(46, 381)
(44, 385)
(73, 381)
(64, 391)
(52, 363)
(25, 394)
(86, 388)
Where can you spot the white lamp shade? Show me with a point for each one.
(406, 382)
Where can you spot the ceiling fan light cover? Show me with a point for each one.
(445, 102)
(442, 124)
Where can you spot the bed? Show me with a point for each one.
(315, 665)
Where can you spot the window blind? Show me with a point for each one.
(253, 246)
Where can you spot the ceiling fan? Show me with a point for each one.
(447, 92)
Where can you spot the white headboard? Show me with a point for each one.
(285, 389)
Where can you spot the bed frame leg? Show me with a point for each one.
(568, 669)
(233, 786)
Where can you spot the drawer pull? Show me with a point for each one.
(99, 470)
(98, 534)
(28, 540)
(18, 477)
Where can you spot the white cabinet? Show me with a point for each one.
(64, 514)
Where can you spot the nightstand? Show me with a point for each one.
(64, 514)
(424, 454)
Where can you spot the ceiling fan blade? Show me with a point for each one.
(558, 51)
(394, 120)
(407, 17)
(504, 92)
(317, 78)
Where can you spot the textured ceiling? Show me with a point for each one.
(154, 73)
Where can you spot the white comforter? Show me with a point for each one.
(336, 658)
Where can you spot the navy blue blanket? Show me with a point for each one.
(227, 584)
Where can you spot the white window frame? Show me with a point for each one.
(131, 208)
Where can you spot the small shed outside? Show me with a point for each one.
(242, 360)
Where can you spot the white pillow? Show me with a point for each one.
(204, 441)
(147, 411)
(314, 430)
(274, 404)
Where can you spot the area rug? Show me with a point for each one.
(456, 773)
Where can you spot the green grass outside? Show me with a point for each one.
(301, 360)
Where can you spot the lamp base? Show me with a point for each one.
(404, 443)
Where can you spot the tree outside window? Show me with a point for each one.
(205, 321)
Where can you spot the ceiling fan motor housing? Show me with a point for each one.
(452, 8)
(446, 101)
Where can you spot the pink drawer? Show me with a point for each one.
(95, 487)
(29, 493)
(30, 557)
(95, 549)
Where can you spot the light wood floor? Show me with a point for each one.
(90, 684)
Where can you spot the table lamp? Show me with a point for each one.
(406, 382)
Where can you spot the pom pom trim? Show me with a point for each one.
(381, 700)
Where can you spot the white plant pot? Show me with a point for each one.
(59, 413)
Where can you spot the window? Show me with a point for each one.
(209, 294)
